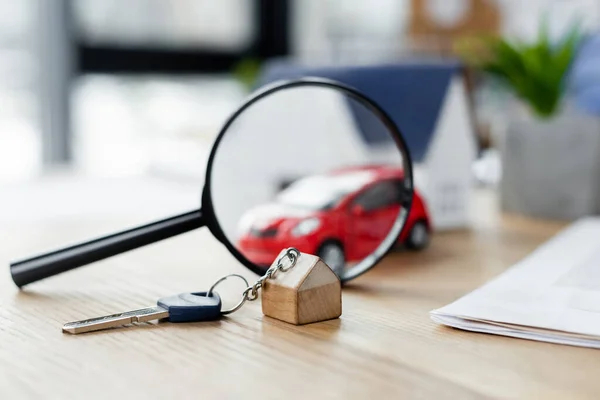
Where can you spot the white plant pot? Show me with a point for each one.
(551, 168)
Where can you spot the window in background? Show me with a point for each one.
(349, 31)
(20, 139)
(150, 124)
(157, 123)
(524, 18)
(224, 24)
(361, 31)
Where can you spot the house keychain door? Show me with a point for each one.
(291, 167)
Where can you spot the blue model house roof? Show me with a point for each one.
(412, 94)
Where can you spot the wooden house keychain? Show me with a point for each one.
(298, 288)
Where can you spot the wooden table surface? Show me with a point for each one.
(383, 346)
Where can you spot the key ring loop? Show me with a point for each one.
(292, 254)
(240, 303)
(251, 292)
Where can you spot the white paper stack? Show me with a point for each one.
(553, 295)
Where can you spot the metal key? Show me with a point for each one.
(185, 307)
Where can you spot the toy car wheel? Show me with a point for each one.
(418, 238)
(333, 255)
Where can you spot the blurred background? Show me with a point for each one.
(121, 93)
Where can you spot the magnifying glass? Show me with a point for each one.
(310, 163)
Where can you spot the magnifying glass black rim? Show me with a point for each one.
(207, 205)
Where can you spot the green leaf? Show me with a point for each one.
(534, 71)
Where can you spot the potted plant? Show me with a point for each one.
(550, 150)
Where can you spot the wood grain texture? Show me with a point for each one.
(320, 303)
(309, 292)
(383, 346)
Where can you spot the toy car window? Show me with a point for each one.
(381, 195)
(322, 192)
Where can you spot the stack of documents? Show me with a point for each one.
(553, 295)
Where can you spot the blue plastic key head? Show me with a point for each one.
(192, 307)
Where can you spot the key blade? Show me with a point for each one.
(115, 320)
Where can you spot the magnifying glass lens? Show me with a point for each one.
(315, 168)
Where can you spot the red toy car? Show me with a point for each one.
(342, 217)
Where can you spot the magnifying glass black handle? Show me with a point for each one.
(34, 269)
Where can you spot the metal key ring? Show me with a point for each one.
(292, 254)
(241, 302)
